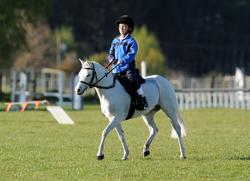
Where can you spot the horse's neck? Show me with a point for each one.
(101, 71)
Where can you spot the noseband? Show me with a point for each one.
(94, 76)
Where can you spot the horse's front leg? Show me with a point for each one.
(149, 121)
(123, 141)
(112, 124)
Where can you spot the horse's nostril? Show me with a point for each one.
(78, 90)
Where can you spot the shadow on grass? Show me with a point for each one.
(244, 158)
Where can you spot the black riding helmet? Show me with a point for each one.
(125, 19)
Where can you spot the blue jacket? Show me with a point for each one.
(124, 50)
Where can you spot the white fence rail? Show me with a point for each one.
(213, 98)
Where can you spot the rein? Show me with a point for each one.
(94, 76)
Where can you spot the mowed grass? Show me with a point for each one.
(33, 146)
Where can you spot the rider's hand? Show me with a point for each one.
(119, 62)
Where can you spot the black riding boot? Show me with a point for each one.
(141, 103)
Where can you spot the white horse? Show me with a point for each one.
(115, 103)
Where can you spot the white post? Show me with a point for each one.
(77, 103)
(60, 88)
(239, 84)
(23, 87)
(143, 69)
(13, 95)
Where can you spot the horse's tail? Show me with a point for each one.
(183, 130)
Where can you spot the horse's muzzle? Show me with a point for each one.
(78, 91)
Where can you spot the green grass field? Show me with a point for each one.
(34, 147)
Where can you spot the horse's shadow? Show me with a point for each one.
(243, 158)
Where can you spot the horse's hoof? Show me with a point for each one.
(100, 157)
(124, 158)
(183, 157)
(146, 153)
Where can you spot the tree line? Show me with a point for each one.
(196, 37)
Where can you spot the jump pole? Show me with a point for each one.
(60, 115)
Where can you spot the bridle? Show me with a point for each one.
(94, 76)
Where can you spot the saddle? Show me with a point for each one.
(130, 90)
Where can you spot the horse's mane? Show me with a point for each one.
(89, 62)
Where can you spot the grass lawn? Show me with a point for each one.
(33, 146)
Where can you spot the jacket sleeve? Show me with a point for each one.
(131, 52)
(111, 56)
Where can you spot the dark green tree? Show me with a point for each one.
(149, 51)
(14, 15)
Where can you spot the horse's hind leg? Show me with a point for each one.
(123, 141)
(149, 121)
(174, 121)
(177, 128)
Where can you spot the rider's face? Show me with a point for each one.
(123, 29)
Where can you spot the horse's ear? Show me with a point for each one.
(82, 61)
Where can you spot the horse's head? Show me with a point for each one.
(95, 75)
(86, 77)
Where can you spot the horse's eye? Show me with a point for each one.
(88, 75)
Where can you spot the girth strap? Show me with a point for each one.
(131, 108)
